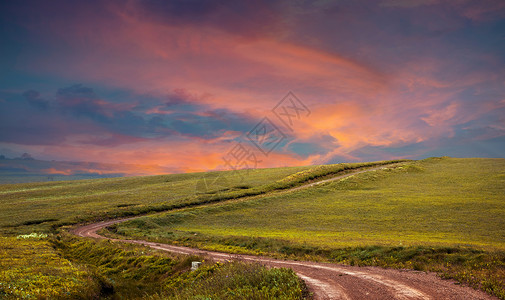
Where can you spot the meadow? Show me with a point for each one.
(444, 202)
(39, 260)
(440, 214)
(30, 268)
(41, 207)
(45, 207)
(66, 267)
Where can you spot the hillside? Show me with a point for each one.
(443, 215)
(440, 214)
(447, 201)
(45, 206)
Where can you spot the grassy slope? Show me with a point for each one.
(75, 268)
(433, 202)
(38, 206)
(43, 269)
(447, 202)
(444, 215)
(42, 207)
(32, 269)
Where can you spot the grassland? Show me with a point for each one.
(43, 207)
(67, 267)
(31, 269)
(61, 266)
(441, 214)
(447, 202)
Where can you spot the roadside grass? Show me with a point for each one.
(31, 269)
(44, 207)
(133, 271)
(441, 214)
(238, 280)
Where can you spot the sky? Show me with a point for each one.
(204, 85)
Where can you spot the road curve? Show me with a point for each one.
(328, 280)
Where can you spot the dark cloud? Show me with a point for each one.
(247, 18)
(81, 101)
(181, 97)
(376, 153)
(31, 127)
(180, 113)
(33, 98)
(111, 140)
(78, 110)
(77, 90)
(22, 122)
(322, 144)
(468, 141)
(208, 124)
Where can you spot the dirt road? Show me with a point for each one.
(332, 281)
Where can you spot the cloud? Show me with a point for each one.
(177, 83)
(408, 3)
(33, 98)
(81, 101)
(482, 11)
(24, 123)
(320, 144)
(439, 117)
(244, 18)
(78, 117)
(477, 11)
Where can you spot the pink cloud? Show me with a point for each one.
(356, 103)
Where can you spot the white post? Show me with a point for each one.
(195, 265)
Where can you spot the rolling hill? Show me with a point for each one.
(440, 214)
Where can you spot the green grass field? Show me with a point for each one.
(66, 267)
(41, 206)
(63, 267)
(32, 269)
(446, 202)
(440, 214)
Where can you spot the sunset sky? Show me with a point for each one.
(184, 85)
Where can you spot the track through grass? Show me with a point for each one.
(440, 214)
(111, 270)
(43, 207)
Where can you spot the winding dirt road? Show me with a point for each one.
(331, 281)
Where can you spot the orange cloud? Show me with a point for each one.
(54, 171)
(354, 102)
